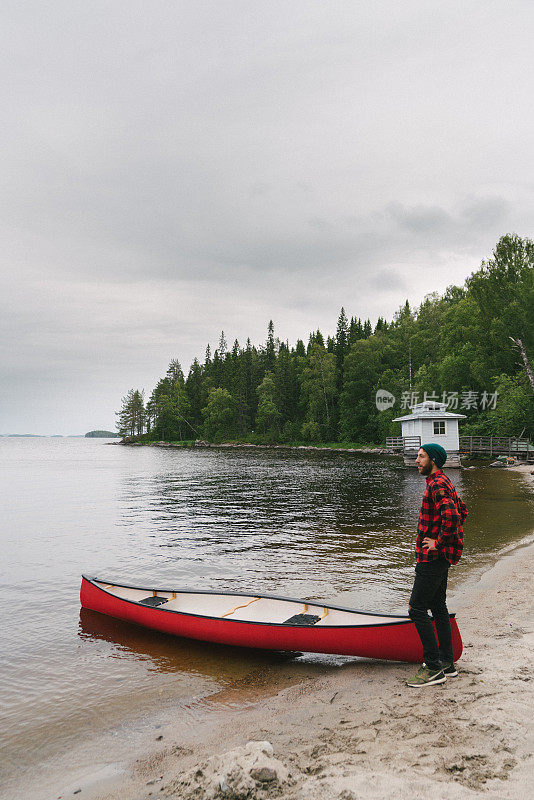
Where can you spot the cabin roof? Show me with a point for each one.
(429, 409)
(429, 415)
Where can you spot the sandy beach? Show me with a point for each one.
(358, 731)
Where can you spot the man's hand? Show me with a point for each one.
(429, 544)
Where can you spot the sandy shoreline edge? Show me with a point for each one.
(359, 731)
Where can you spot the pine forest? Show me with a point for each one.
(471, 348)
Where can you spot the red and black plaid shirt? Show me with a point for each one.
(441, 518)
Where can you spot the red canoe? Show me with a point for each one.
(264, 621)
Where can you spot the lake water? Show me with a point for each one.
(331, 526)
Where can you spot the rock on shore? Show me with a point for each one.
(244, 772)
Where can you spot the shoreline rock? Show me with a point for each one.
(250, 445)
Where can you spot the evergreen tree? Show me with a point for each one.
(237, 385)
(249, 391)
(287, 386)
(165, 417)
(196, 392)
(220, 415)
(342, 339)
(216, 369)
(131, 417)
(358, 412)
(341, 347)
(174, 372)
(223, 347)
(300, 350)
(207, 359)
(270, 354)
(318, 380)
(170, 407)
(355, 330)
(268, 415)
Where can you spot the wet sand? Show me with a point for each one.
(525, 469)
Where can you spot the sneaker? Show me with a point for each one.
(449, 670)
(426, 677)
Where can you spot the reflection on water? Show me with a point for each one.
(171, 654)
(316, 525)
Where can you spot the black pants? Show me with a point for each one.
(430, 592)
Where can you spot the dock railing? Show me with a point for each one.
(403, 443)
(497, 445)
(479, 445)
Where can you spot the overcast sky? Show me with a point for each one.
(171, 169)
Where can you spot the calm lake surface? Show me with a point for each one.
(308, 524)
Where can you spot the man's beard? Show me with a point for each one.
(426, 470)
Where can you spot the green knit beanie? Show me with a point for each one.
(436, 452)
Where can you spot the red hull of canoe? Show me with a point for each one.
(394, 642)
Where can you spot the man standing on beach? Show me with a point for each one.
(439, 544)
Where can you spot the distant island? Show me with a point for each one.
(102, 435)
(21, 436)
(48, 435)
(40, 436)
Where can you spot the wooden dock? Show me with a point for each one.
(491, 446)
(402, 443)
(407, 447)
(497, 446)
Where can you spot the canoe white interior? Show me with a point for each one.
(249, 608)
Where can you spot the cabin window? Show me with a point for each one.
(439, 427)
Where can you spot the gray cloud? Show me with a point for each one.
(174, 170)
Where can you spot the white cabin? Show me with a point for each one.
(431, 422)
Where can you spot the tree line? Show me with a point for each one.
(472, 347)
